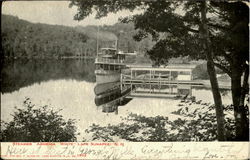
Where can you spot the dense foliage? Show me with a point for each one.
(196, 121)
(200, 72)
(23, 39)
(108, 34)
(213, 30)
(37, 124)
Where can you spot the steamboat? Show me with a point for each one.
(109, 63)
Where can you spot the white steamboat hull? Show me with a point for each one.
(107, 78)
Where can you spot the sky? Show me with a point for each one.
(55, 12)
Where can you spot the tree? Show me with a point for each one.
(179, 27)
(37, 125)
(233, 57)
(211, 71)
(159, 17)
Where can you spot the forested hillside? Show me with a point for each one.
(125, 33)
(22, 39)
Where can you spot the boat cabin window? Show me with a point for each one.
(121, 56)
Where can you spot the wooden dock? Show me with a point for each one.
(171, 81)
(152, 95)
(162, 82)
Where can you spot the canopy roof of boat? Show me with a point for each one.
(121, 53)
(110, 51)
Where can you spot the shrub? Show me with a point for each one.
(37, 124)
(196, 122)
(200, 71)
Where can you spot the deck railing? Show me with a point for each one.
(106, 60)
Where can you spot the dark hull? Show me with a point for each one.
(106, 87)
(104, 99)
(125, 101)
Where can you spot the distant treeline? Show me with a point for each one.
(22, 39)
(124, 32)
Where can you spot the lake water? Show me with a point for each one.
(69, 85)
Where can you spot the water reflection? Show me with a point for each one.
(110, 95)
(108, 91)
(70, 85)
(16, 74)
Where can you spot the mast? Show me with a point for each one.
(116, 45)
(116, 42)
(97, 41)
